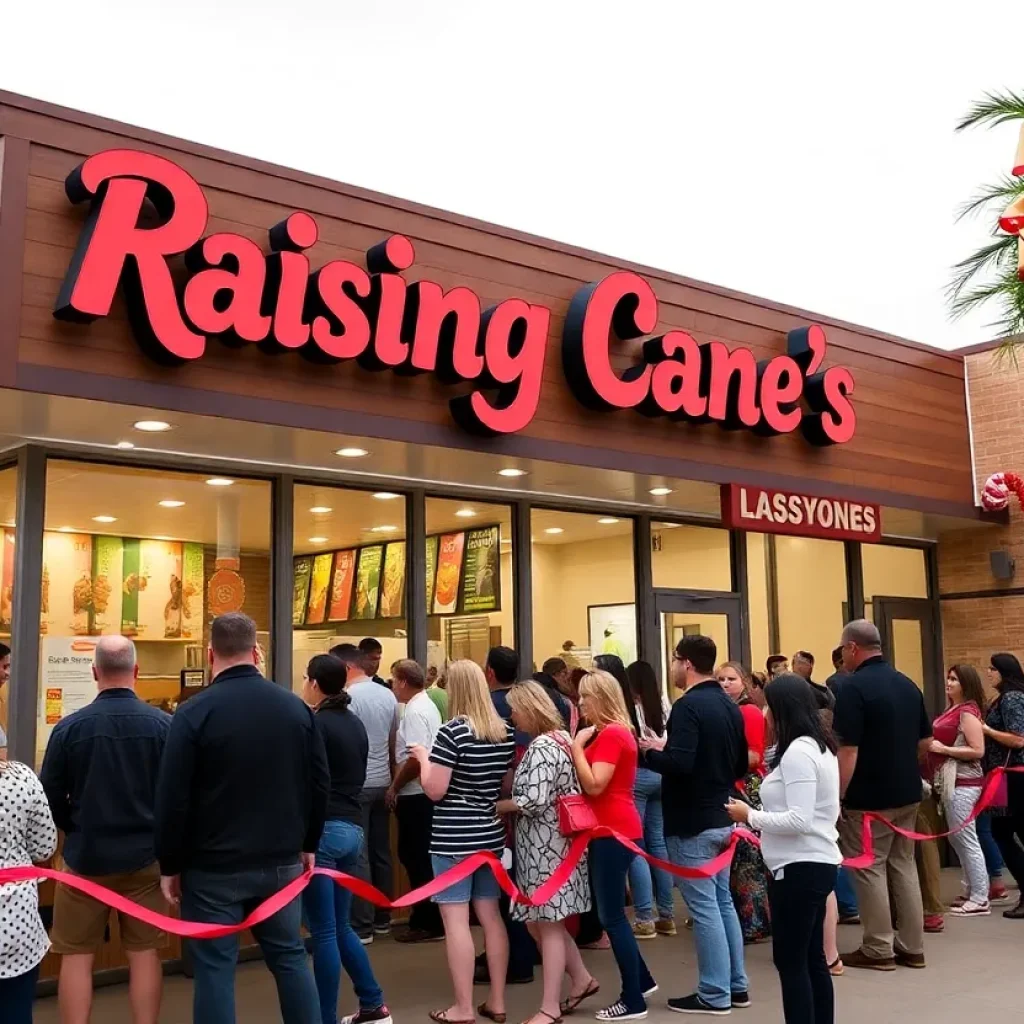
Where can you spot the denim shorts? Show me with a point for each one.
(481, 885)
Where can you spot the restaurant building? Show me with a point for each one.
(228, 385)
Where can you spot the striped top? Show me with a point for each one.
(464, 819)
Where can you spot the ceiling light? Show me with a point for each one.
(554, 529)
(351, 453)
(317, 540)
(161, 536)
(219, 481)
(660, 492)
(384, 529)
(511, 472)
(151, 426)
(104, 519)
(466, 513)
(608, 521)
(170, 503)
(386, 496)
(124, 445)
(321, 510)
(66, 529)
(667, 526)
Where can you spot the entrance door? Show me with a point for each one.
(908, 633)
(710, 613)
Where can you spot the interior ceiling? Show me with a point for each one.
(76, 493)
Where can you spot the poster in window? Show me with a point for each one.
(192, 565)
(66, 584)
(319, 584)
(105, 608)
(132, 582)
(392, 592)
(481, 582)
(449, 568)
(300, 591)
(613, 630)
(160, 598)
(368, 582)
(7, 581)
(431, 570)
(341, 586)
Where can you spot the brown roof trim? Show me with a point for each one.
(14, 157)
(986, 346)
(274, 170)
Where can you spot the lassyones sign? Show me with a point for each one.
(770, 511)
(147, 212)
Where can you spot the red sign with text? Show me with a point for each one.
(148, 217)
(803, 515)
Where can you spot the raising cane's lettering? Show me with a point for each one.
(147, 214)
(770, 511)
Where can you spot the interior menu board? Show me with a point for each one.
(368, 582)
(66, 584)
(319, 583)
(7, 581)
(431, 569)
(449, 566)
(105, 610)
(160, 596)
(303, 569)
(392, 593)
(341, 586)
(481, 580)
(192, 559)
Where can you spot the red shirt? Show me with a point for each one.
(753, 729)
(615, 807)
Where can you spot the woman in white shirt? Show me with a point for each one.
(799, 843)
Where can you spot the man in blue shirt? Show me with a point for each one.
(100, 774)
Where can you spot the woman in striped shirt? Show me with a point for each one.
(463, 775)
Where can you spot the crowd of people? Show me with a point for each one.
(247, 787)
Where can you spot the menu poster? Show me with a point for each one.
(319, 583)
(66, 583)
(192, 559)
(449, 566)
(481, 577)
(303, 570)
(392, 594)
(431, 569)
(341, 586)
(67, 682)
(368, 582)
(7, 581)
(105, 610)
(132, 581)
(160, 597)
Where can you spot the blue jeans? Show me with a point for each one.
(647, 794)
(220, 897)
(609, 863)
(989, 847)
(846, 895)
(16, 996)
(716, 928)
(328, 909)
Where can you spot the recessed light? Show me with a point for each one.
(351, 453)
(386, 495)
(124, 445)
(667, 526)
(321, 510)
(384, 529)
(608, 520)
(554, 529)
(466, 513)
(219, 481)
(317, 540)
(660, 492)
(104, 519)
(151, 426)
(170, 503)
(161, 536)
(66, 529)
(511, 472)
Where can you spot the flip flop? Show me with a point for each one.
(441, 1017)
(569, 1005)
(485, 1011)
(543, 1013)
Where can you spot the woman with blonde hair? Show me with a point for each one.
(545, 774)
(605, 754)
(463, 774)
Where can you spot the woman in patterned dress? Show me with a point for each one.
(546, 773)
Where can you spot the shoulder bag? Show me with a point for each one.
(575, 813)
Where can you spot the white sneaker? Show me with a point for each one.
(971, 909)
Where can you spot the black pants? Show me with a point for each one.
(797, 901)
(415, 815)
(1009, 828)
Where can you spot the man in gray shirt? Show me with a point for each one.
(377, 708)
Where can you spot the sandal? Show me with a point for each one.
(569, 1005)
(836, 968)
(441, 1017)
(485, 1011)
(543, 1013)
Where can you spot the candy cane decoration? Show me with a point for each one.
(995, 495)
(1012, 220)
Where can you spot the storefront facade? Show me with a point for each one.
(231, 386)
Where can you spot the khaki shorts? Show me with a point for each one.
(79, 921)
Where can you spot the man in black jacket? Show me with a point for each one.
(241, 803)
(700, 758)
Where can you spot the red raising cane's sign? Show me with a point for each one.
(804, 515)
(147, 213)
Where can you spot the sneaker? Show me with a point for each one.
(858, 958)
(381, 1015)
(904, 959)
(618, 1011)
(694, 1004)
(651, 991)
(1017, 913)
(971, 909)
(998, 895)
(665, 926)
(644, 930)
(933, 924)
(382, 929)
(740, 1000)
(366, 940)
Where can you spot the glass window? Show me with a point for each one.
(151, 554)
(469, 580)
(350, 574)
(891, 571)
(690, 557)
(583, 586)
(8, 504)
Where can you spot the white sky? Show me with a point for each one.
(783, 149)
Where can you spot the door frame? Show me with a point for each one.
(922, 610)
(695, 602)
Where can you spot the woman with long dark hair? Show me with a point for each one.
(647, 883)
(613, 665)
(1004, 745)
(800, 845)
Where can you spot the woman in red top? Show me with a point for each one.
(605, 755)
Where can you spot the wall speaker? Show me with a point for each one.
(1002, 563)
